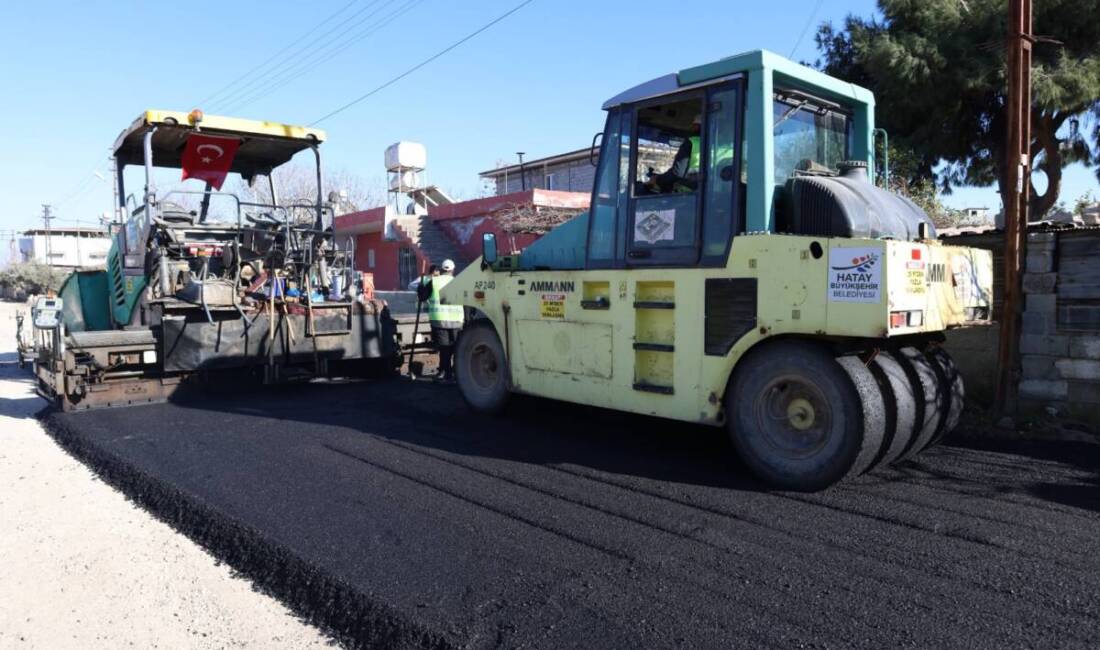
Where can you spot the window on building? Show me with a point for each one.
(406, 267)
(370, 258)
(549, 182)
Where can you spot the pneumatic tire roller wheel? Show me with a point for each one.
(952, 391)
(802, 419)
(927, 398)
(481, 368)
(899, 398)
(938, 394)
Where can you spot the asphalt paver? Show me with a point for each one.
(390, 515)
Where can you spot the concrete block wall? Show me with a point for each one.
(1061, 369)
(577, 176)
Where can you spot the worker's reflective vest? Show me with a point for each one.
(724, 157)
(440, 315)
(696, 154)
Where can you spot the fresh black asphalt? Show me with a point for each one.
(391, 516)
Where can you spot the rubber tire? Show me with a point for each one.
(952, 389)
(490, 398)
(930, 408)
(901, 406)
(851, 444)
(874, 411)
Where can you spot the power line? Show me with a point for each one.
(334, 50)
(806, 27)
(78, 189)
(327, 53)
(81, 186)
(321, 42)
(233, 83)
(424, 62)
(81, 191)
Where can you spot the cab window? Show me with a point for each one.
(666, 174)
(669, 148)
(669, 189)
(809, 135)
(605, 197)
(724, 190)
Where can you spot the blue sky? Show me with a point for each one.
(76, 73)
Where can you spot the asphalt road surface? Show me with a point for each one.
(389, 515)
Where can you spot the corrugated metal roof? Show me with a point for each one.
(1035, 226)
(57, 232)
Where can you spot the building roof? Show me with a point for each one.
(1034, 226)
(98, 232)
(579, 154)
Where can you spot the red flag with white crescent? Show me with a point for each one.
(208, 158)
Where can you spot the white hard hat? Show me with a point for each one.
(448, 265)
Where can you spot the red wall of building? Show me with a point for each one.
(467, 221)
(463, 223)
(386, 256)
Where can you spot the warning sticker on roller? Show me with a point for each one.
(855, 275)
(916, 281)
(552, 305)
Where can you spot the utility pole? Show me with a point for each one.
(1017, 167)
(522, 175)
(47, 217)
(115, 172)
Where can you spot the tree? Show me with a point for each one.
(937, 68)
(1083, 203)
(32, 277)
(297, 184)
(528, 218)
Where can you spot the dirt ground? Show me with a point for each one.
(82, 567)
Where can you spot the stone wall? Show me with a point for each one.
(1060, 364)
(1061, 369)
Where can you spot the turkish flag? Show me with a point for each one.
(208, 158)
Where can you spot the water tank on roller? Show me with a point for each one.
(406, 156)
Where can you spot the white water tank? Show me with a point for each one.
(404, 181)
(406, 156)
